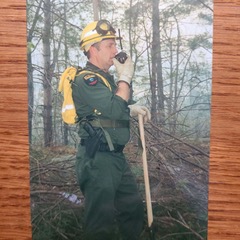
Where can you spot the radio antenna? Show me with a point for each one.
(120, 39)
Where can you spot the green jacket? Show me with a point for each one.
(90, 93)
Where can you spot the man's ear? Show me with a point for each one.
(92, 51)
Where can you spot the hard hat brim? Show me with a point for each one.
(97, 39)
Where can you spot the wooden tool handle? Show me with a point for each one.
(145, 171)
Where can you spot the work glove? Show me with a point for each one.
(124, 70)
(137, 109)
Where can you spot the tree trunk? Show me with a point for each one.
(65, 126)
(156, 81)
(130, 44)
(30, 73)
(96, 10)
(176, 80)
(30, 95)
(47, 79)
(160, 94)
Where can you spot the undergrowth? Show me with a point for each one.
(55, 218)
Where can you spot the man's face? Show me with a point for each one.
(105, 53)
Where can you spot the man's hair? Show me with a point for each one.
(96, 45)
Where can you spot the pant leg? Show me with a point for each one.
(98, 179)
(99, 213)
(129, 205)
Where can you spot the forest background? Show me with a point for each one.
(171, 46)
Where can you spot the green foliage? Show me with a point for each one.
(176, 218)
(201, 40)
(177, 222)
(57, 223)
(206, 17)
(30, 47)
(36, 154)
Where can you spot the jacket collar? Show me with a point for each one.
(96, 69)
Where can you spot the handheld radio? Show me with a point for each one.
(121, 56)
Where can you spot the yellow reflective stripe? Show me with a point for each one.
(67, 107)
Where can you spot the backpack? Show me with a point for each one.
(69, 114)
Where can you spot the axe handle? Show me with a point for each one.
(145, 171)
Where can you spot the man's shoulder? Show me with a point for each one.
(87, 77)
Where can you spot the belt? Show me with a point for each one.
(107, 123)
(105, 148)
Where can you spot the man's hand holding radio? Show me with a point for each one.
(124, 70)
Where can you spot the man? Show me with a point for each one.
(109, 188)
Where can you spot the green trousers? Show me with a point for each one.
(111, 196)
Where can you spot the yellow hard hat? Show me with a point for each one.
(95, 32)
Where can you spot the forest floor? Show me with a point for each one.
(178, 174)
